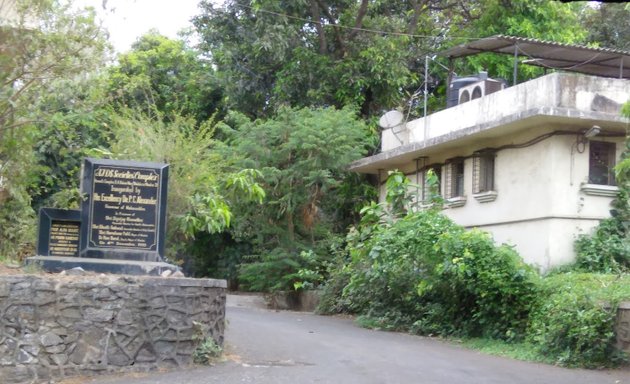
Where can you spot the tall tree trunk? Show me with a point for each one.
(417, 8)
(290, 226)
(333, 22)
(359, 19)
(320, 28)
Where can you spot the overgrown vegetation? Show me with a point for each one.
(258, 124)
(424, 274)
(302, 155)
(44, 43)
(573, 322)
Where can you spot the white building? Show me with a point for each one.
(532, 163)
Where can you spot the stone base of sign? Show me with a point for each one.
(622, 327)
(54, 327)
(122, 267)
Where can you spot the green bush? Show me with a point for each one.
(426, 274)
(423, 273)
(388, 263)
(283, 270)
(486, 290)
(574, 322)
(606, 250)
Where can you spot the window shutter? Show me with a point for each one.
(483, 172)
(448, 181)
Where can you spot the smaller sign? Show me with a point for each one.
(59, 232)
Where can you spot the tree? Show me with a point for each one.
(607, 25)
(78, 120)
(302, 155)
(322, 52)
(204, 184)
(41, 42)
(545, 20)
(46, 40)
(165, 74)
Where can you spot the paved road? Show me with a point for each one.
(289, 347)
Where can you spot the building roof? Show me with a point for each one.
(557, 101)
(605, 62)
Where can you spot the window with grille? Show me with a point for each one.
(454, 180)
(483, 172)
(601, 163)
(426, 189)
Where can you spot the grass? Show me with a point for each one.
(524, 350)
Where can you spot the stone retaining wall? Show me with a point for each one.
(59, 326)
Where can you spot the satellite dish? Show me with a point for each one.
(391, 119)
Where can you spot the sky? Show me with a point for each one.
(126, 20)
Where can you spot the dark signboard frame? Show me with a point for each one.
(47, 219)
(124, 213)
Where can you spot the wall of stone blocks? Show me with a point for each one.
(55, 326)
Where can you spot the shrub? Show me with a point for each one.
(426, 274)
(287, 270)
(486, 290)
(207, 350)
(388, 263)
(574, 322)
(606, 250)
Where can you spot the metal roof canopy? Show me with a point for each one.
(605, 62)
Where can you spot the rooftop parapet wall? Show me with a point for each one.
(54, 326)
(571, 94)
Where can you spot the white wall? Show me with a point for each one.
(557, 90)
(540, 208)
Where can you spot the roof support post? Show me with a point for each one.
(426, 81)
(621, 67)
(449, 78)
(515, 70)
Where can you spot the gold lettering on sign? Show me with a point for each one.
(64, 239)
(124, 207)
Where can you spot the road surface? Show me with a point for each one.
(288, 347)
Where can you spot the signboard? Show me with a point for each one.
(125, 211)
(59, 232)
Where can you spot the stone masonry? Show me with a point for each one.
(59, 326)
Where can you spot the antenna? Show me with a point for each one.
(391, 119)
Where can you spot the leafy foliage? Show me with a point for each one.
(574, 321)
(424, 273)
(42, 43)
(546, 20)
(164, 75)
(78, 120)
(320, 53)
(207, 350)
(488, 289)
(607, 24)
(302, 154)
(606, 250)
(203, 184)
